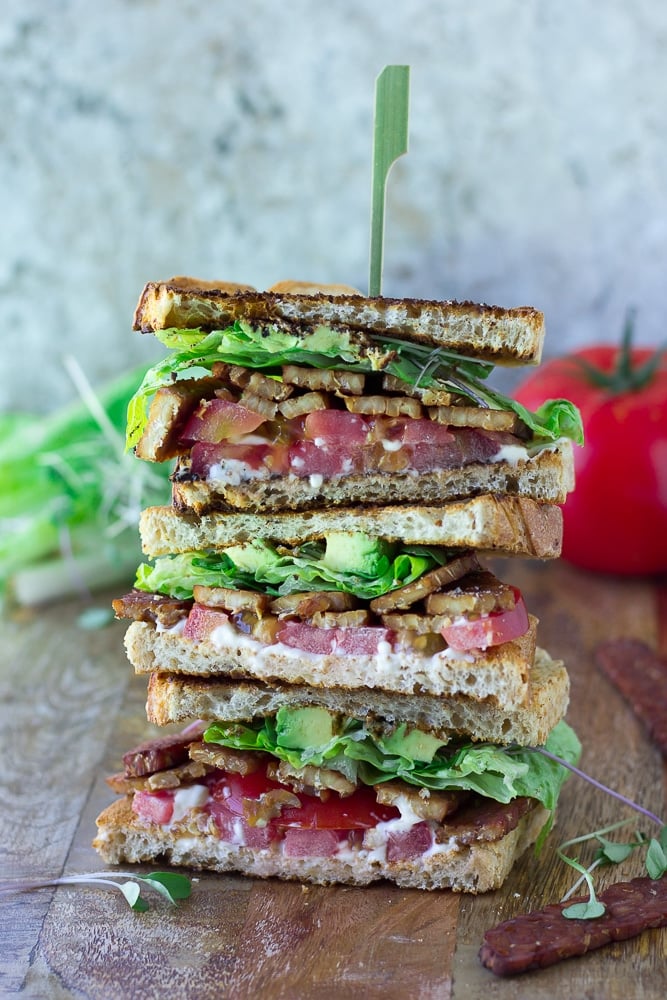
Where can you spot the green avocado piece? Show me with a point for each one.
(252, 556)
(304, 728)
(354, 552)
(413, 744)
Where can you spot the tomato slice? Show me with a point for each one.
(153, 807)
(405, 845)
(359, 811)
(358, 641)
(201, 621)
(336, 427)
(311, 843)
(307, 458)
(490, 630)
(217, 420)
(232, 788)
(422, 431)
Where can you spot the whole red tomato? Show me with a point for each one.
(615, 521)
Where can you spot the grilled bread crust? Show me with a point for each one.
(491, 333)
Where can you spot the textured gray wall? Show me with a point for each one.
(142, 138)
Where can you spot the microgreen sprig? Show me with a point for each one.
(172, 886)
(609, 852)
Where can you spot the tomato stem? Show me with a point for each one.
(624, 377)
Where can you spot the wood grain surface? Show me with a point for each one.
(70, 706)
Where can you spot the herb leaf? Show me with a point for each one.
(170, 884)
(588, 909)
(656, 858)
(132, 894)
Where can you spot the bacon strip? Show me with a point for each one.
(142, 607)
(536, 940)
(161, 753)
(640, 675)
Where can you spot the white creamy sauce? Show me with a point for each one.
(391, 445)
(384, 661)
(185, 799)
(232, 472)
(512, 454)
(176, 629)
(316, 479)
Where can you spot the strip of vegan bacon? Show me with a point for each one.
(536, 940)
(640, 675)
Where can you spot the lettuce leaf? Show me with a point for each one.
(194, 351)
(499, 773)
(260, 566)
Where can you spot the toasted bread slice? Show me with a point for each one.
(176, 698)
(501, 672)
(497, 524)
(502, 336)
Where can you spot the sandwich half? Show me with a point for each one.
(305, 397)
(326, 785)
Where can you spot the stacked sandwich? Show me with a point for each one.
(361, 698)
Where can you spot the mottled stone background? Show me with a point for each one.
(142, 138)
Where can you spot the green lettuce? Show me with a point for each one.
(499, 773)
(194, 352)
(260, 566)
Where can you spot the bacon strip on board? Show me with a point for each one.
(536, 940)
(640, 675)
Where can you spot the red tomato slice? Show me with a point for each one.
(359, 811)
(153, 807)
(336, 427)
(492, 630)
(311, 843)
(202, 621)
(405, 845)
(231, 788)
(358, 641)
(309, 459)
(422, 431)
(216, 420)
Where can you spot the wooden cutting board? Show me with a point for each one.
(70, 706)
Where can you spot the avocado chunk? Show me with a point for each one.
(355, 553)
(252, 557)
(413, 744)
(304, 728)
